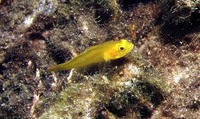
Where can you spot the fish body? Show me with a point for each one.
(104, 52)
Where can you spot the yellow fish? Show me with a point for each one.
(104, 52)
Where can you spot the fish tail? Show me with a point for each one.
(59, 67)
(53, 68)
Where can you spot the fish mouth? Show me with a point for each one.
(131, 46)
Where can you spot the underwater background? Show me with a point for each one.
(158, 79)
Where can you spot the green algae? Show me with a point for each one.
(87, 96)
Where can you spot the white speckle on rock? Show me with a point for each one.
(180, 74)
(29, 63)
(29, 20)
(133, 69)
(45, 7)
(55, 80)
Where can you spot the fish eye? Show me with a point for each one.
(121, 48)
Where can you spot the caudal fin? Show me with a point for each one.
(54, 68)
(59, 67)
